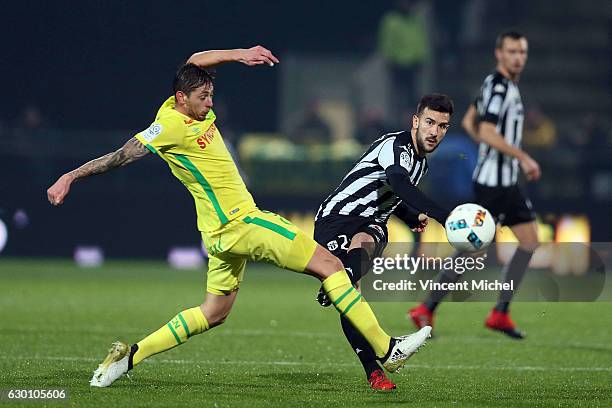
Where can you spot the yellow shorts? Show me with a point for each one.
(257, 236)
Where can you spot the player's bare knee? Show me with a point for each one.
(333, 265)
(323, 264)
(530, 242)
(360, 239)
(529, 246)
(527, 235)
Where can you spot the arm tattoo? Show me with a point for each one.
(131, 151)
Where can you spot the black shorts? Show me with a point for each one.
(509, 205)
(335, 232)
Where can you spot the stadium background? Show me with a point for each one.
(79, 79)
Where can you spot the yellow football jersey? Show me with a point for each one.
(197, 156)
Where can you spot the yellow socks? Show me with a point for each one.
(348, 302)
(184, 325)
(338, 287)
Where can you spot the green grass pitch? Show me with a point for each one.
(279, 348)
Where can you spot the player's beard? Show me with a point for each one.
(196, 112)
(198, 115)
(421, 138)
(514, 70)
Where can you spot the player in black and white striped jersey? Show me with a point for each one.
(495, 121)
(383, 182)
(365, 191)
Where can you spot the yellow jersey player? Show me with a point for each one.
(233, 229)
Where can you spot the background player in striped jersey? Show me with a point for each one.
(495, 120)
(234, 230)
(352, 221)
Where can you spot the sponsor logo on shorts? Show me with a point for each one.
(332, 245)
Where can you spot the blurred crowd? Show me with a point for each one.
(416, 47)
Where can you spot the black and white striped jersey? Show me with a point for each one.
(499, 102)
(365, 191)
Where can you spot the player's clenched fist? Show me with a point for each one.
(258, 55)
(423, 221)
(59, 190)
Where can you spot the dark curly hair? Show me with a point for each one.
(437, 102)
(190, 77)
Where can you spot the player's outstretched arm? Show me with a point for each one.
(399, 179)
(131, 151)
(257, 55)
(413, 218)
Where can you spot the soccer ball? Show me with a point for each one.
(470, 227)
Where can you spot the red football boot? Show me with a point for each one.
(380, 382)
(421, 316)
(501, 321)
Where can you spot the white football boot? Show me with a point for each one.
(114, 365)
(404, 347)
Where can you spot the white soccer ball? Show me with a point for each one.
(470, 227)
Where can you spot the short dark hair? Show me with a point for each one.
(515, 35)
(190, 77)
(437, 102)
